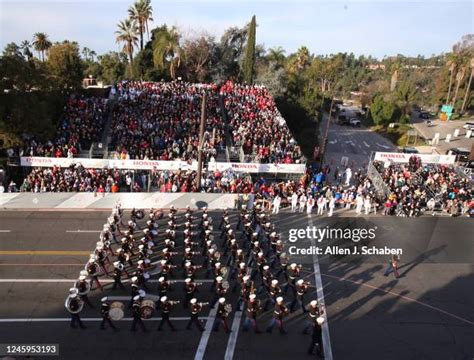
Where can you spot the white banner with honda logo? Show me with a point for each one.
(258, 168)
(404, 158)
(108, 163)
(37, 161)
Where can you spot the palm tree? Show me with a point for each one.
(166, 48)
(86, 53)
(459, 78)
(395, 69)
(276, 55)
(41, 43)
(141, 12)
(92, 54)
(25, 47)
(127, 34)
(452, 66)
(468, 88)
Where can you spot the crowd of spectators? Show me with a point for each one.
(256, 124)
(81, 123)
(161, 121)
(415, 188)
(76, 178)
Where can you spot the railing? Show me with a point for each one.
(91, 150)
(380, 187)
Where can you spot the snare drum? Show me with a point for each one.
(116, 311)
(147, 309)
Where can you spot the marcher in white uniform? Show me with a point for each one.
(332, 204)
(309, 205)
(359, 204)
(303, 200)
(367, 205)
(348, 173)
(321, 205)
(294, 201)
(276, 204)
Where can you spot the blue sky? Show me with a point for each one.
(374, 27)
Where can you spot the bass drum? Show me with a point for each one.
(116, 311)
(147, 309)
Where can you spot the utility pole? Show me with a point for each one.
(325, 138)
(201, 135)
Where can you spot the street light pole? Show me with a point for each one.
(201, 135)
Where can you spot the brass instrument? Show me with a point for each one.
(68, 302)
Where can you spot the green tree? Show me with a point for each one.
(41, 44)
(383, 112)
(113, 67)
(25, 47)
(12, 49)
(141, 12)
(65, 65)
(199, 55)
(249, 59)
(167, 50)
(405, 95)
(276, 55)
(127, 34)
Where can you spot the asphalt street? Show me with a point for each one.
(425, 314)
(352, 145)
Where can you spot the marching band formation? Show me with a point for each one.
(247, 259)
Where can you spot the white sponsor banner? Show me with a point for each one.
(404, 158)
(160, 165)
(107, 163)
(259, 168)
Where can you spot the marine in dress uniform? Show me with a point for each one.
(253, 308)
(104, 310)
(221, 315)
(196, 308)
(279, 312)
(137, 315)
(166, 307)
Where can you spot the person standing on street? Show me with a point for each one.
(393, 266)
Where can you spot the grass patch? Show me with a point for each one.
(398, 134)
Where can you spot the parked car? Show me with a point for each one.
(462, 154)
(409, 150)
(425, 115)
(469, 125)
(342, 120)
(354, 122)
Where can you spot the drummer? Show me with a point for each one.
(104, 310)
(137, 315)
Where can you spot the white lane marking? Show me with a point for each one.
(207, 331)
(83, 231)
(366, 145)
(320, 292)
(229, 351)
(151, 281)
(19, 320)
(384, 146)
(333, 141)
(5, 231)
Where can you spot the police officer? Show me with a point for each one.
(279, 312)
(196, 308)
(166, 307)
(221, 315)
(137, 315)
(104, 310)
